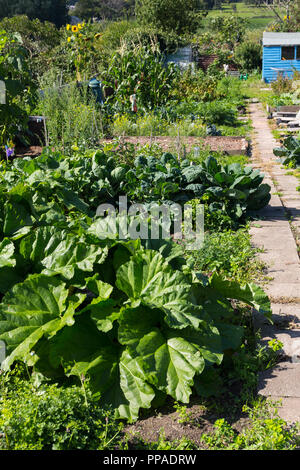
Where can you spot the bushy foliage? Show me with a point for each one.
(248, 55)
(228, 29)
(179, 16)
(267, 431)
(38, 38)
(282, 84)
(228, 253)
(196, 86)
(49, 417)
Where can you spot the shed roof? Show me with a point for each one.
(281, 39)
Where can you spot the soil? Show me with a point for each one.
(32, 151)
(227, 144)
(200, 421)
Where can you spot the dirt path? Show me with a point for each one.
(276, 233)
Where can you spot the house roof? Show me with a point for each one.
(281, 39)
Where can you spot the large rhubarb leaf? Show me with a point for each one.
(249, 293)
(57, 252)
(149, 279)
(168, 358)
(84, 351)
(35, 308)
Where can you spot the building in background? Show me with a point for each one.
(281, 55)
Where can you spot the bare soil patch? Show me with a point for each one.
(200, 421)
(227, 144)
(32, 151)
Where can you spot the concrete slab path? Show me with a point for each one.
(276, 234)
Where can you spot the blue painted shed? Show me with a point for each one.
(281, 55)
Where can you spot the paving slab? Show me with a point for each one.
(283, 316)
(280, 259)
(284, 329)
(273, 238)
(270, 212)
(289, 410)
(288, 291)
(293, 205)
(261, 223)
(282, 276)
(286, 309)
(283, 380)
(287, 198)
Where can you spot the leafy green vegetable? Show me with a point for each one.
(289, 153)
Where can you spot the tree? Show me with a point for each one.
(38, 38)
(296, 13)
(287, 13)
(104, 9)
(54, 11)
(178, 16)
(276, 6)
(229, 29)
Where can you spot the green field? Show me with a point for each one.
(258, 17)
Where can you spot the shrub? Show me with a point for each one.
(282, 84)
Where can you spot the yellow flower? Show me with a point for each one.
(68, 27)
(98, 35)
(79, 26)
(69, 39)
(74, 29)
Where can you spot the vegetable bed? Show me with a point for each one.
(131, 317)
(228, 144)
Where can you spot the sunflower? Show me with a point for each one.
(68, 27)
(74, 29)
(69, 39)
